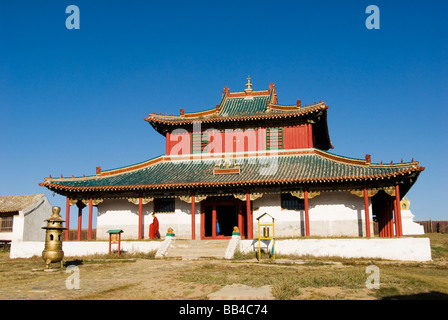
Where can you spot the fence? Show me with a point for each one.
(434, 225)
(73, 234)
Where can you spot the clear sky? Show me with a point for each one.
(72, 100)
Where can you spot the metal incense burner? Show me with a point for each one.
(53, 238)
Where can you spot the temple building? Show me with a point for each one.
(225, 166)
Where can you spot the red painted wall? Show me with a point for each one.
(294, 137)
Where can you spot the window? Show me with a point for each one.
(164, 205)
(6, 223)
(290, 202)
(274, 138)
(199, 142)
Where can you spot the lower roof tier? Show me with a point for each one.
(295, 168)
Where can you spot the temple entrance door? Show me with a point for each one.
(219, 217)
(382, 213)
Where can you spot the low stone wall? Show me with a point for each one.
(405, 249)
(27, 249)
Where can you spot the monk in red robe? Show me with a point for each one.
(154, 228)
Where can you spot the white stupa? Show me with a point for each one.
(407, 219)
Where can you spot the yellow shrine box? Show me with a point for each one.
(266, 232)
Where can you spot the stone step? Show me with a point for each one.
(196, 249)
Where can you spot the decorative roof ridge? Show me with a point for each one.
(215, 111)
(298, 112)
(295, 107)
(254, 93)
(366, 162)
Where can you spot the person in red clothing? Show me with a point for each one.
(154, 228)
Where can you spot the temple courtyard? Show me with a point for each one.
(142, 276)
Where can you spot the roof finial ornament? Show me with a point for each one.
(248, 85)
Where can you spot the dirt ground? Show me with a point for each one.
(132, 279)
(291, 278)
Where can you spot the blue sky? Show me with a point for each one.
(72, 100)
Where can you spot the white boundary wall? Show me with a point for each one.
(406, 249)
(28, 249)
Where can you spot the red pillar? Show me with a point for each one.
(398, 211)
(240, 220)
(80, 207)
(250, 220)
(90, 219)
(140, 218)
(193, 217)
(395, 218)
(202, 221)
(366, 212)
(214, 221)
(390, 218)
(119, 243)
(307, 216)
(167, 143)
(67, 218)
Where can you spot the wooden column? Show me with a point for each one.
(366, 212)
(240, 220)
(214, 221)
(396, 223)
(193, 217)
(168, 144)
(307, 216)
(89, 235)
(202, 221)
(80, 206)
(390, 218)
(398, 211)
(140, 218)
(250, 219)
(67, 218)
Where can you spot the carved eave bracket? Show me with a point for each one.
(137, 200)
(95, 202)
(253, 196)
(301, 194)
(197, 198)
(360, 193)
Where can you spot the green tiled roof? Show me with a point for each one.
(242, 106)
(238, 106)
(315, 166)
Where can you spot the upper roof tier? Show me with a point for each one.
(249, 108)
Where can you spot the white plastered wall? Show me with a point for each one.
(330, 214)
(121, 214)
